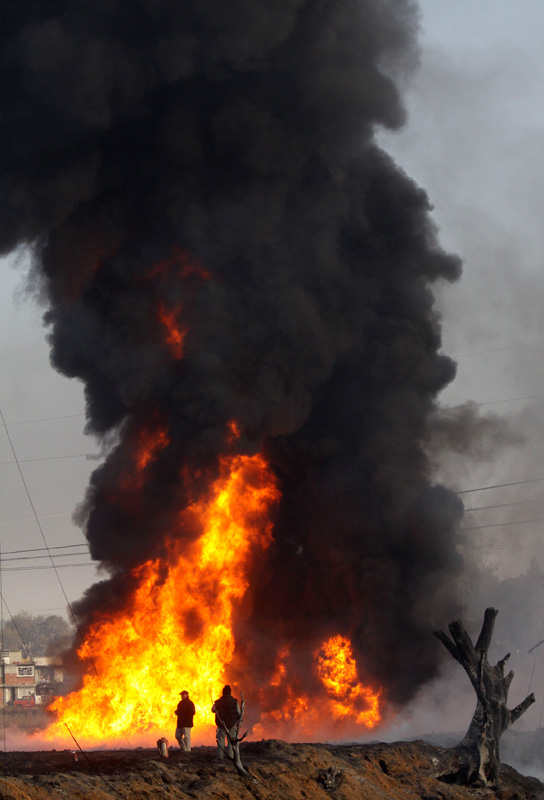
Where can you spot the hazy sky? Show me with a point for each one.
(31, 394)
(474, 142)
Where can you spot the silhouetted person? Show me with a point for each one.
(185, 713)
(228, 710)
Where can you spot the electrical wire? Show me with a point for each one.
(502, 524)
(505, 505)
(19, 558)
(42, 419)
(37, 520)
(88, 456)
(499, 349)
(53, 566)
(471, 404)
(34, 549)
(92, 766)
(36, 558)
(500, 485)
(48, 566)
(511, 399)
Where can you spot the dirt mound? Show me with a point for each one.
(282, 771)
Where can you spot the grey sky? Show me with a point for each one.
(31, 390)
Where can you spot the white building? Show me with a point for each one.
(40, 678)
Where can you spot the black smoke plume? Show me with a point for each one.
(216, 158)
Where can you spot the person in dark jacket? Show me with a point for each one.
(185, 713)
(228, 710)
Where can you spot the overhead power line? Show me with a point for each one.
(38, 523)
(37, 549)
(505, 505)
(502, 524)
(46, 544)
(499, 349)
(510, 399)
(36, 558)
(42, 419)
(473, 404)
(500, 485)
(48, 566)
(88, 456)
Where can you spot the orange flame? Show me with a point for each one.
(347, 705)
(148, 445)
(234, 431)
(176, 631)
(337, 669)
(280, 672)
(175, 334)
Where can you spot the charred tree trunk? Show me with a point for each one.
(477, 756)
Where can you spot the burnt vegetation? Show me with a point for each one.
(476, 757)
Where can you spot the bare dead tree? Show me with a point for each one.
(234, 738)
(477, 757)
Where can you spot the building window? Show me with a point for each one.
(25, 672)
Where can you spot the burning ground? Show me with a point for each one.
(242, 280)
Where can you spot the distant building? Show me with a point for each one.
(40, 678)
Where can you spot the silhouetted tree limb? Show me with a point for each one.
(477, 756)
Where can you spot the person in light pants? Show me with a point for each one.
(185, 712)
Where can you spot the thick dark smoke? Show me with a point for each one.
(216, 158)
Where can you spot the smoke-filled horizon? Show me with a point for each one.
(218, 238)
